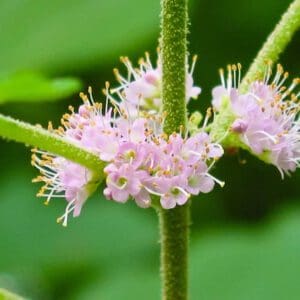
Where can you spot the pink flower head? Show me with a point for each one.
(142, 86)
(141, 161)
(266, 116)
(63, 179)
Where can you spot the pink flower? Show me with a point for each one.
(64, 179)
(265, 116)
(123, 182)
(142, 86)
(199, 180)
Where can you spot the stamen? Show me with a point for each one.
(183, 191)
(229, 78)
(239, 73)
(219, 182)
(195, 57)
(153, 192)
(207, 117)
(70, 207)
(272, 138)
(268, 72)
(234, 68)
(221, 72)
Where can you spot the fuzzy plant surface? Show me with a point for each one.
(144, 144)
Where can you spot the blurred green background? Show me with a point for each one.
(245, 241)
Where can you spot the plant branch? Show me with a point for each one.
(275, 44)
(37, 137)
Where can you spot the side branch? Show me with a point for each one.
(37, 137)
(275, 44)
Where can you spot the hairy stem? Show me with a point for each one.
(275, 44)
(174, 223)
(173, 53)
(35, 136)
(174, 237)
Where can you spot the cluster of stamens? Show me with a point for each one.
(266, 115)
(142, 86)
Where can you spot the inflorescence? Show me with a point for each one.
(143, 163)
(264, 118)
(152, 168)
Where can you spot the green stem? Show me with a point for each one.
(174, 237)
(174, 53)
(275, 44)
(35, 136)
(174, 223)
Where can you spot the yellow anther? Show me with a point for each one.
(209, 112)
(296, 81)
(141, 61)
(280, 69)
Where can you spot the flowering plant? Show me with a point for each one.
(144, 144)
(141, 160)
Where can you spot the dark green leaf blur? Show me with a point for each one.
(245, 241)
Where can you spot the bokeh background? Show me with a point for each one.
(245, 241)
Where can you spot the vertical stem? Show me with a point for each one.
(275, 44)
(174, 238)
(173, 53)
(174, 223)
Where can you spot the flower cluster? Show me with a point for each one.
(265, 117)
(142, 163)
(142, 86)
(149, 163)
(63, 179)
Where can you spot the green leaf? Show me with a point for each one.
(34, 87)
(230, 263)
(131, 284)
(261, 263)
(6, 295)
(73, 34)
